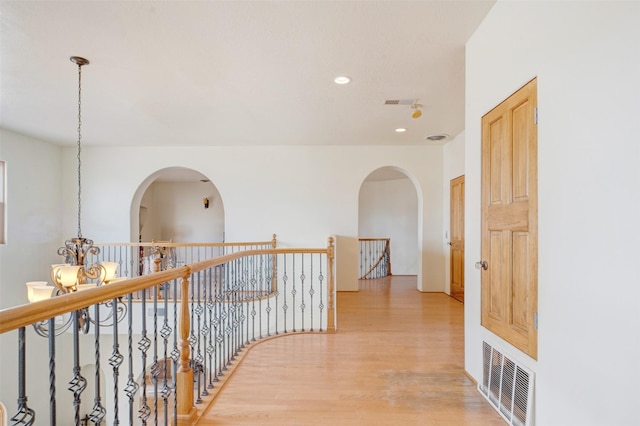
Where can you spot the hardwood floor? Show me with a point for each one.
(396, 359)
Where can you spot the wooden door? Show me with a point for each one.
(456, 241)
(510, 220)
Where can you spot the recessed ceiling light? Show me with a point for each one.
(342, 79)
(401, 130)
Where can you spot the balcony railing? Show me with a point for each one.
(136, 259)
(375, 257)
(155, 348)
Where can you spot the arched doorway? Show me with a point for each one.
(388, 208)
(177, 204)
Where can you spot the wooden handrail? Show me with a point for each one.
(25, 315)
(167, 244)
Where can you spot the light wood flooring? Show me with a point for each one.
(396, 359)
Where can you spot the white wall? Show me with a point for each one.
(389, 209)
(33, 213)
(587, 61)
(453, 165)
(175, 211)
(33, 237)
(302, 193)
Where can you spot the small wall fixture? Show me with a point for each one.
(205, 201)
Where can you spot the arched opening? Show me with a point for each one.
(388, 207)
(177, 204)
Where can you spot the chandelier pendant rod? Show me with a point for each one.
(80, 62)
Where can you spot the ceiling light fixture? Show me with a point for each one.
(401, 130)
(417, 113)
(342, 79)
(76, 273)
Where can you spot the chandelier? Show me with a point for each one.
(76, 274)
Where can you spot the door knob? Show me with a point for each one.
(450, 243)
(482, 264)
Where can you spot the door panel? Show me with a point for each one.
(496, 280)
(457, 238)
(509, 219)
(496, 148)
(521, 285)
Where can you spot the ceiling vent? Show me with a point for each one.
(400, 102)
(437, 138)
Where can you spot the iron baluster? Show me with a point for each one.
(294, 292)
(143, 345)
(165, 332)
(132, 385)
(211, 346)
(155, 366)
(115, 361)
(274, 277)
(98, 412)
(321, 305)
(311, 291)
(175, 353)
(285, 307)
(302, 304)
(195, 348)
(217, 285)
(78, 383)
(225, 318)
(24, 415)
(52, 373)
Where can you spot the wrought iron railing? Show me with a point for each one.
(136, 259)
(375, 257)
(160, 358)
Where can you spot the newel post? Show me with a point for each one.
(184, 377)
(331, 310)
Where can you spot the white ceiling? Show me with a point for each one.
(234, 72)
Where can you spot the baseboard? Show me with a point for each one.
(470, 377)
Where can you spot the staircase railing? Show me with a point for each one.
(375, 257)
(162, 357)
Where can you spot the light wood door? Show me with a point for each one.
(510, 220)
(456, 241)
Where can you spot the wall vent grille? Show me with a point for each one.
(507, 385)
